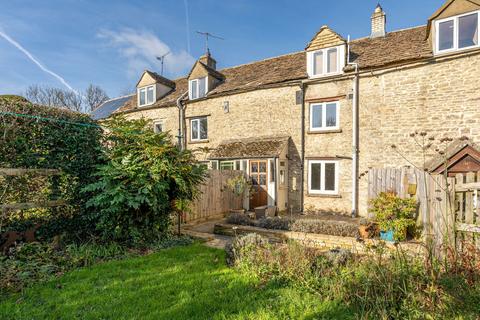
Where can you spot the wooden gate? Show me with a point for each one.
(216, 198)
(449, 207)
(467, 209)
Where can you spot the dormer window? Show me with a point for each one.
(325, 62)
(198, 88)
(146, 96)
(457, 33)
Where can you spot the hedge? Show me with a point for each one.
(36, 137)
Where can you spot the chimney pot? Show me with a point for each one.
(379, 21)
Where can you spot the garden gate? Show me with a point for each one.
(449, 207)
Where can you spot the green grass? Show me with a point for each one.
(180, 283)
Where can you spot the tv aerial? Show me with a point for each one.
(208, 35)
(162, 60)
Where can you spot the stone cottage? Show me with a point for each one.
(305, 126)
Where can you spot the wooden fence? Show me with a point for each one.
(13, 172)
(216, 199)
(449, 208)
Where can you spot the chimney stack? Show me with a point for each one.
(379, 20)
(208, 60)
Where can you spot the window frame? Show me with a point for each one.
(322, 190)
(197, 86)
(324, 118)
(198, 119)
(160, 122)
(455, 33)
(226, 163)
(139, 90)
(340, 61)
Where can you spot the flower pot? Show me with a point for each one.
(364, 232)
(387, 235)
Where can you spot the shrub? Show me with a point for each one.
(307, 225)
(145, 180)
(394, 213)
(239, 219)
(36, 137)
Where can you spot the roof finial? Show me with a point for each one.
(378, 8)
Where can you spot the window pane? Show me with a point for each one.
(315, 172)
(329, 176)
(193, 88)
(316, 116)
(203, 128)
(254, 167)
(194, 129)
(226, 165)
(214, 165)
(142, 97)
(150, 95)
(445, 35)
(158, 127)
(318, 62)
(331, 114)
(201, 87)
(237, 165)
(263, 167)
(272, 170)
(332, 60)
(244, 165)
(468, 31)
(262, 179)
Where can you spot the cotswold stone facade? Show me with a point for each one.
(412, 80)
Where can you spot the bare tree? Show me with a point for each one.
(94, 97)
(61, 98)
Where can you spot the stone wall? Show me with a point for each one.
(441, 98)
(265, 112)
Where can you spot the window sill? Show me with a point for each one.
(198, 141)
(322, 195)
(324, 131)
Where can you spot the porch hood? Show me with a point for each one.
(250, 148)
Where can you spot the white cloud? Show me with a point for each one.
(141, 48)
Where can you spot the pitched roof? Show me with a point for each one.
(454, 148)
(160, 79)
(264, 147)
(108, 107)
(396, 47)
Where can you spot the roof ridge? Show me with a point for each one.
(395, 31)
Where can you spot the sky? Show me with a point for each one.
(73, 43)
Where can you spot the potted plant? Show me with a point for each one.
(367, 229)
(394, 215)
(239, 185)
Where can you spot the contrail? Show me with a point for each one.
(188, 24)
(34, 60)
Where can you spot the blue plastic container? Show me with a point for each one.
(387, 235)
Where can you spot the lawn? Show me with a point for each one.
(179, 283)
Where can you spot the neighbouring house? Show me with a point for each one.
(304, 126)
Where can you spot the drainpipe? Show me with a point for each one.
(302, 154)
(181, 116)
(355, 133)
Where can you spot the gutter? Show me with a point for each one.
(355, 132)
(181, 121)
